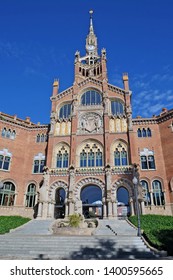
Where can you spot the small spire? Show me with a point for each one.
(91, 21)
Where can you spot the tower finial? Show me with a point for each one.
(91, 21)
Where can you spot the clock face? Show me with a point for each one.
(90, 47)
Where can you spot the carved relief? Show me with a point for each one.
(63, 128)
(90, 123)
(118, 124)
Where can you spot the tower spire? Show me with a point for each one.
(91, 29)
(91, 40)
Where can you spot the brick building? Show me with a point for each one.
(83, 161)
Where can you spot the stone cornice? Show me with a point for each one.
(66, 92)
(155, 120)
(116, 89)
(144, 121)
(90, 80)
(7, 119)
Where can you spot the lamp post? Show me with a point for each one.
(135, 182)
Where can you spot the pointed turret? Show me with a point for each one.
(91, 40)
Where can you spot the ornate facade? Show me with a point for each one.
(83, 161)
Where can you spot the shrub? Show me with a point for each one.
(74, 220)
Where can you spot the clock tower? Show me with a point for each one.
(92, 64)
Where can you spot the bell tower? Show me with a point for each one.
(92, 64)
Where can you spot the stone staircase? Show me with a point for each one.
(113, 239)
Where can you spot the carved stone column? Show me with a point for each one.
(104, 208)
(40, 208)
(114, 208)
(52, 121)
(142, 208)
(43, 198)
(132, 207)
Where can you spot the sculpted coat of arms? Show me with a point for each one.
(90, 122)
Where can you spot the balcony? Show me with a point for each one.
(90, 170)
(58, 171)
(126, 169)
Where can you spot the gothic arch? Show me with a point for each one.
(157, 178)
(56, 185)
(88, 181)
(87, 142)
(56, 149)
(122, 183)
(119, 144)
(86, 88)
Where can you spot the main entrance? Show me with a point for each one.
(59, 212)
(123, 202)
(91, 197)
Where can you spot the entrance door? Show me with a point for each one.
(123, 202)
(91, 197)
(59, 212)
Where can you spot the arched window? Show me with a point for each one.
(120, 154)
(99, 158)
(13, 134)
(139, 132)
(149, 132)
(42, 138)
(151, 162)
(38, 138)
(91, 97)
(147, 198)
(91, 156)
(83, 159)
(8, 135)
(117, 161)
(3, 133)
(144, 133)
(62, 158)
(31, 195)
(7, 194)
(158, 196)
(117, 108)
(65, 111)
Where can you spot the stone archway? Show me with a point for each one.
(126, 206)
(91, 197)
(78, 207)
(57, 195)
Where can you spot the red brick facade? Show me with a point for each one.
(92, 142)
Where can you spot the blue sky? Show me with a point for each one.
(39, 38)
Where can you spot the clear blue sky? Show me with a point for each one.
(38, 40)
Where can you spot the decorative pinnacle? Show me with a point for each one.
(91, 22)
(91, 12)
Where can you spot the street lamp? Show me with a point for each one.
(135, 182)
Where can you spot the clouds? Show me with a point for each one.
(152, 92)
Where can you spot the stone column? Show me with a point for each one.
(132, 206)
(66, 208)
(114, 208)
(40, 208)
(142, 208)
(151, 196)
(49, 213)
(104, 207)
(109, 208)
(71, 207)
